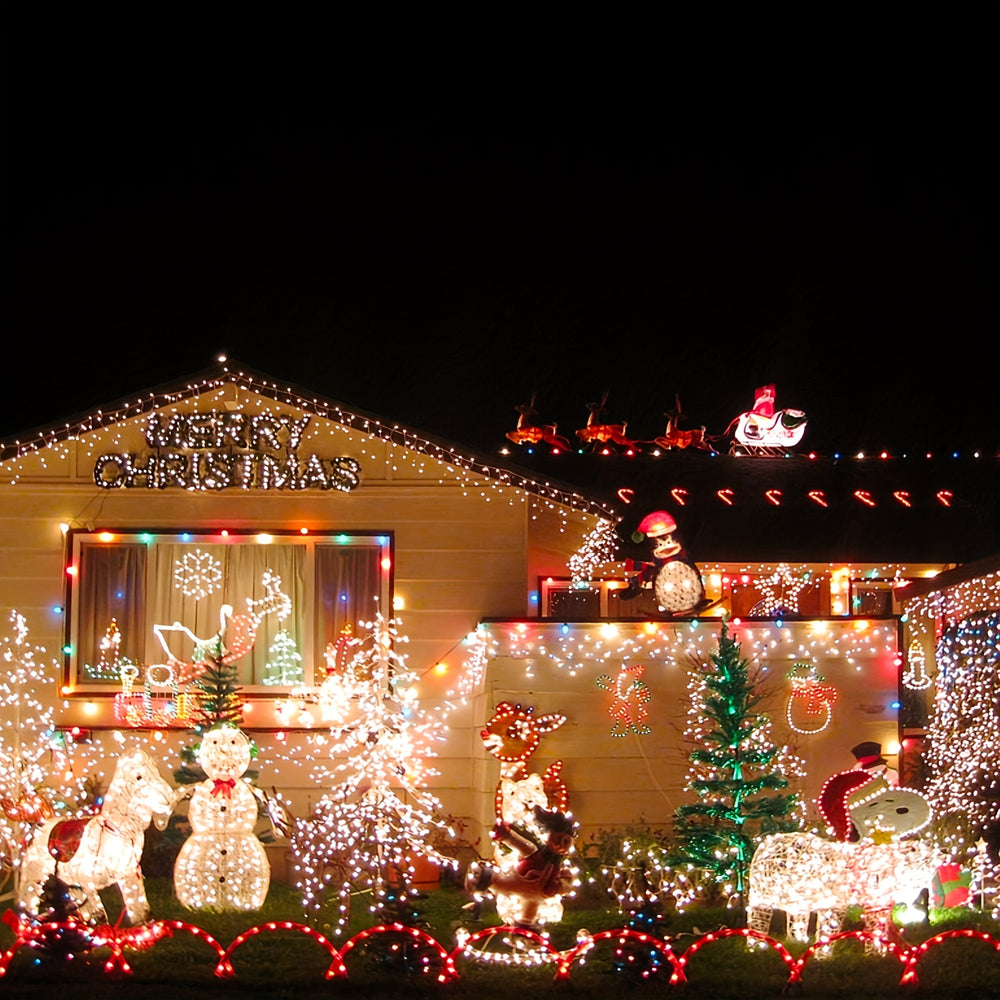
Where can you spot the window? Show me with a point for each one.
(157, 605)
(569, 602)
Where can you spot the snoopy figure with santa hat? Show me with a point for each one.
(222, 865)
(675, 580)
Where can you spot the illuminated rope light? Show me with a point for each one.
(915, 676)
(679, 976)
(819, 699)
(336, 969)
(540, 953)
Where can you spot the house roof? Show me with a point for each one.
(229, 372)
(823, 509)
(728, 508)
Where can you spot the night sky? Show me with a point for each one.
(435, 257)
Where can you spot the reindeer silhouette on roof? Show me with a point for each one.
(598, 433)
(527, 432)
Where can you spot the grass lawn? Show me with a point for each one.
(286, 964)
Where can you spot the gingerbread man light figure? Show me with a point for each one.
(631, 697)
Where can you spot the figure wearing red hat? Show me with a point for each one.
(674, 579)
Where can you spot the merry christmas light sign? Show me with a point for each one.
(218, 450)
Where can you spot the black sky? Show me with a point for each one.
(436, 256)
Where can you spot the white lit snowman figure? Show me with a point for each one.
(222, 865)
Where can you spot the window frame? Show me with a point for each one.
(77, 684)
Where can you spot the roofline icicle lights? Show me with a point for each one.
(472, 471)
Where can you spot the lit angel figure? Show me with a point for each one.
(222, 865)
(631, 697)
(377, 814)
(235, 638)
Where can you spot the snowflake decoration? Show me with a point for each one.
(197, 574)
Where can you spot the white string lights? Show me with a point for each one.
(221, 407)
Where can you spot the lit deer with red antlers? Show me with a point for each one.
(512, 735)
(533, 833)
(599, 433)
(527, 432)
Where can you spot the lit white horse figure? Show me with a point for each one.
(92, 853)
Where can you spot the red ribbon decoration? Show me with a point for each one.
(223, 786)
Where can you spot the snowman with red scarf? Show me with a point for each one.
(222, 865)
(675, 580)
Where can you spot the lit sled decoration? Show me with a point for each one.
(235, 638)
(764, 430)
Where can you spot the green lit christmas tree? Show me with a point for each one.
(736, 772)
(284, 663)
(219, 694)
(219, 700)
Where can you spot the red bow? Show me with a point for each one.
(223, 786)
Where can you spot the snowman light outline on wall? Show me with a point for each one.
(223, 865)
(674, 579)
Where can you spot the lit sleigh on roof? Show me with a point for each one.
(764, 430)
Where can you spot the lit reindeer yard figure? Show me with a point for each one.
(535, 804)
(512, 735)
(105, 849)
